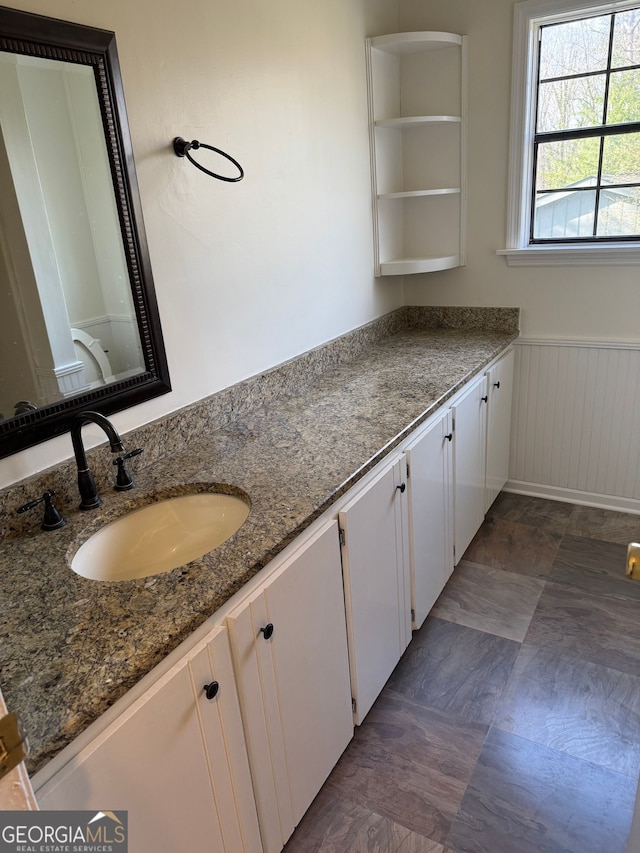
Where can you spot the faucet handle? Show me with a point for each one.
(124, 481)
(52, 518)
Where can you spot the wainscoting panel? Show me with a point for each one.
(576, 421)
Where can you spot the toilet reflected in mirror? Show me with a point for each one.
(96, 366)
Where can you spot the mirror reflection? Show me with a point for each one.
(67, 318)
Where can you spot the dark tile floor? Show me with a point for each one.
(512, 723)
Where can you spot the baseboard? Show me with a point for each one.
(573, 496)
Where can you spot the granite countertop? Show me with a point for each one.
(72, 646)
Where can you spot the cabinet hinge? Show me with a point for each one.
(341, 536)
(413, 615)
(354, 705)
(453, 424)
(408, 471)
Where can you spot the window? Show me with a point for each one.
(575, 133)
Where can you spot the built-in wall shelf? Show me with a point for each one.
(403, 43)
(417, 110)
(417, 193)
(407, 266)
(416, 121)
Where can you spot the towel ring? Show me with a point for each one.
(182, 148)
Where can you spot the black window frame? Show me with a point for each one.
(600, 132)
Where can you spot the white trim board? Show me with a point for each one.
(573, 496)
(568, 342)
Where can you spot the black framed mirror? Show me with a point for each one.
(79, 321)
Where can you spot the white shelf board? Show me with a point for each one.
(412, 42)
(417, 121)
(406, 266)
(418, 193)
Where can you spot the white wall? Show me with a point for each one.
(248, 274)
(564, 302)
(50, 127)
(577, 369)
(251, 274)
(19, 381)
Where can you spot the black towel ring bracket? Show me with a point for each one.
(182, 149)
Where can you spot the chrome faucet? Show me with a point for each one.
(86, 484)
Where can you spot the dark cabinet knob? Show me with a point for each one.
(267, 631)
(402, 487)
(449, 436)
(496, 384)
(484, 399)
(211, 690)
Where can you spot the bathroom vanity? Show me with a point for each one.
(230, 687)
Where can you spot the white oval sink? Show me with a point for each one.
(160, 537)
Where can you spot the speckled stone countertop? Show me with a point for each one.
(72, 646)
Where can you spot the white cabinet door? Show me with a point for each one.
(469, 463)
(289, 644)
(500, 390)
(152, 763)
(377, 582)
(429, 459)
(214, 684)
